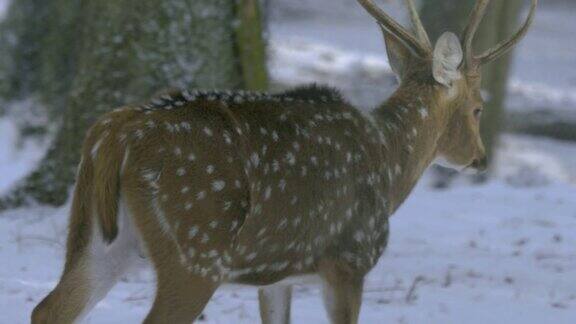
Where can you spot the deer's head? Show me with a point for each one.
(451, 73)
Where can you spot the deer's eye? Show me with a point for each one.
(478, 113)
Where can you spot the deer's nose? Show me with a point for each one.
(480, 164)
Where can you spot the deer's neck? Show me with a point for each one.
(411, 130)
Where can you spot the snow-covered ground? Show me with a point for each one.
(16, 155)
(504, 252)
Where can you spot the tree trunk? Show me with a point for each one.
(251, 45)
(560, 125)
(125, 51)
(37, 52)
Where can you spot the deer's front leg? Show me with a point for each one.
(275, 303)
(342, 292)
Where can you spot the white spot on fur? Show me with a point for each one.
(201, 195)
(423, 112)
(95, 148)
(218, 185)
(192, 232)
(124, 160)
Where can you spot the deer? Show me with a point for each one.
(267, 190)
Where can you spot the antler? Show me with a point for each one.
(471, 29)
(395, 29)
(505, 46)
(502, 47)
(418, 26)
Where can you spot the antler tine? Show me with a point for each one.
(504, 46)
(394, 28)
(418, 26)
(471, 29)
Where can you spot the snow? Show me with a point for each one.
(297, 60)
(503, 252)
(536, 160)
(26, 153)
(499, 253)
(3, 6)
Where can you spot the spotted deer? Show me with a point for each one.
(235, 187)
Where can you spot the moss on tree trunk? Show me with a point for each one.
(123, 52)
(251, 45)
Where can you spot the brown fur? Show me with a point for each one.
(157, 149)
(72, 290)
(254, 188)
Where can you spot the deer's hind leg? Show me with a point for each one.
(181, 294)
(342, 292)
(275, 303)
(91, 271)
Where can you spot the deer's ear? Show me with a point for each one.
(399, 55)
(448, 56)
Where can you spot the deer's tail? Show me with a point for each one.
(108, 158)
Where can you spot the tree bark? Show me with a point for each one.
(37, 52)
(125, 51)
(251, 45)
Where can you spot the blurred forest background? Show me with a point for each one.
(63, 63)
(71, 61)
(66, 62)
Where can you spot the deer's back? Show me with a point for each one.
(255, 187)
